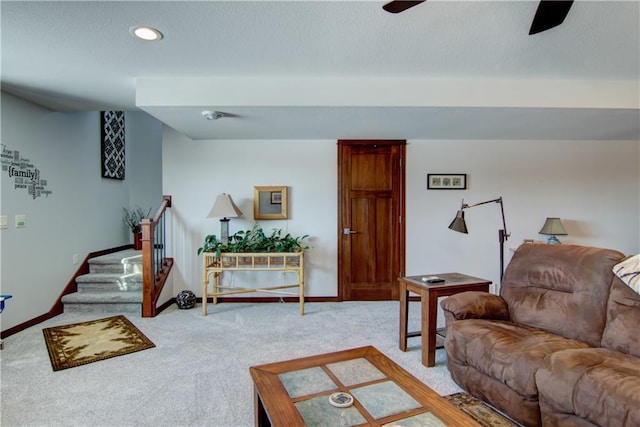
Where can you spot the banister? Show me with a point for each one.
(166, 203)
(155, 264)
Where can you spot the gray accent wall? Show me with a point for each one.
(82, 214)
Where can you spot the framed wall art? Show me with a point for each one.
(112, 144)
(447, 181)
(270, 202)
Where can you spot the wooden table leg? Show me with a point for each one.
(301, 293)
(260, 415)
(430, 319)
(205, 286)
(404, 313)
(216, 278)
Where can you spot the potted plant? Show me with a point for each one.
(255, 241)
(132, 218)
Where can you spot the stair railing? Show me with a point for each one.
(155, 263)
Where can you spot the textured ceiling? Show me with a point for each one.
(80, 56)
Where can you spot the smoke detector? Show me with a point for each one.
(212, 115)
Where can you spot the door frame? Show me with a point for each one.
(401, 202)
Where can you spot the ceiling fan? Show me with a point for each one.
(550, 13)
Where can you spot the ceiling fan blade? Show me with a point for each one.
(550, 13)
(398, 6)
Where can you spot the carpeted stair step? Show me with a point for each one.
(113, 285)
(127, 261)
(103, 302)
(109, 282)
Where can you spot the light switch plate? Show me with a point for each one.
(21, 221)
(3, 222)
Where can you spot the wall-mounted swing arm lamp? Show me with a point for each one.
(458, 224)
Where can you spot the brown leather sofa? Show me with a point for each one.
(560, 345)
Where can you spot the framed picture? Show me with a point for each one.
(276, 197)
(270, 202)
(447, 181)
(112, 144)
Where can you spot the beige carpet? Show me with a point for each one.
(87, 342)
(479, 411)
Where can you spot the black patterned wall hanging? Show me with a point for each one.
(112, 137)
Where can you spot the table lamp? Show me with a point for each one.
(458, 224)
(553, 227)
(224, 208)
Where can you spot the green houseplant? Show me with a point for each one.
(255, 241)
(132, 218)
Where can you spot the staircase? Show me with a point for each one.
(113, 285)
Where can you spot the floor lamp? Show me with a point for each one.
(458, 224)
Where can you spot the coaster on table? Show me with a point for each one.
(341, 400)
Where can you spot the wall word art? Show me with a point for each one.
(24, 174)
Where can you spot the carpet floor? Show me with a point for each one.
(198, 373)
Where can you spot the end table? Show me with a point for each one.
(429, 293)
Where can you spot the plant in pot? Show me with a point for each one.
(132, 218)
(255, 240)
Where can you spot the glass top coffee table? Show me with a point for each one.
(297, 393)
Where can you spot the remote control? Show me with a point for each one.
(432, 279)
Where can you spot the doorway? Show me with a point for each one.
(371, 226)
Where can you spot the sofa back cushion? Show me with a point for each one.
(622, 331)
(562, 289)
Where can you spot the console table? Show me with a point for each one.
(215, 265)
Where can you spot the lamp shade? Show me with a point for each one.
(224, 208)
(458, 224)
(553, 227)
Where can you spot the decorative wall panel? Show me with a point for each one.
(112, 138)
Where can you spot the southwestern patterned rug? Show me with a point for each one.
(479, 411)
(87, 342)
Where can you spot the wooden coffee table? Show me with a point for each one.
(296, 393)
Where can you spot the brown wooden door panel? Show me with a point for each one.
(360, 242)
(371, 205)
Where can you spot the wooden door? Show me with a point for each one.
(371, 231)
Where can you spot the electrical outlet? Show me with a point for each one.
(75, 259)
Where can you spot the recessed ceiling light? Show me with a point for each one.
(146, 33)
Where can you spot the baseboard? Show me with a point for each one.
(271, 299)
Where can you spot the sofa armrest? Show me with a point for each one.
(475, 305)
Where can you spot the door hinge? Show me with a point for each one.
(400, 219)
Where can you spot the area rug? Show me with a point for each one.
(87, 342)
(479, 411)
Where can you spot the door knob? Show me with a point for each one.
(348, 231)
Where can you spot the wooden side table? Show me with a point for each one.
(429, 293)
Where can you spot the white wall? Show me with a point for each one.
(84, 212)
(195, 172)
(592, 186)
